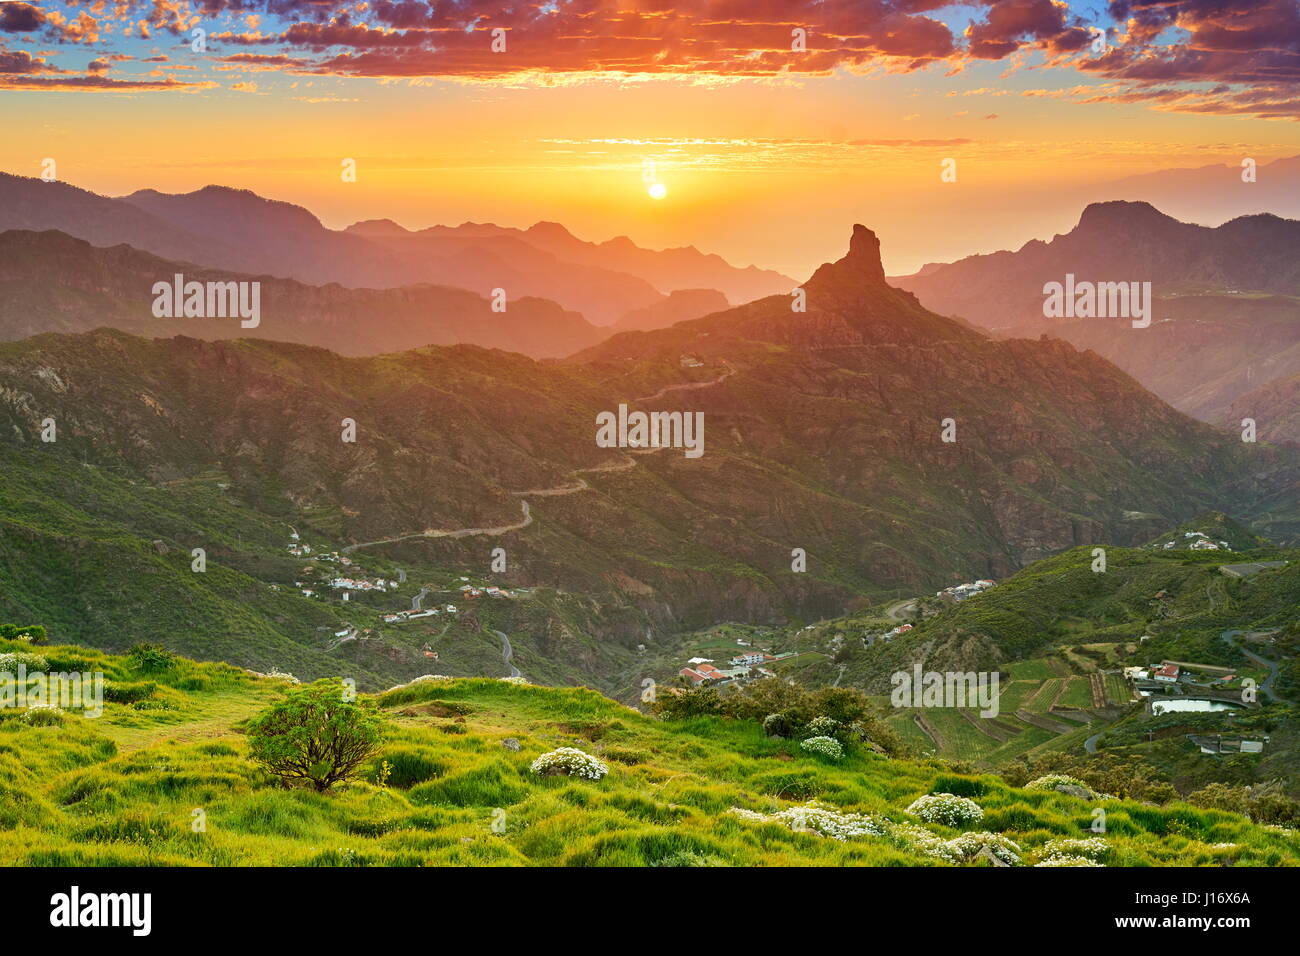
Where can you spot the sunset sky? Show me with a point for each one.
(767, 154)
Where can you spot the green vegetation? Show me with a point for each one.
(170, 780)
(321, 733)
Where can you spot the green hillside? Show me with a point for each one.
(104, 558)
(163, 778)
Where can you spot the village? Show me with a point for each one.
(747, 664)
(1197, 541)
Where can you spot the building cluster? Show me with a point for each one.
(397, 617)
(1198, 541)
(362, 584)
(960, 592)
(702, 670)
(470, 591)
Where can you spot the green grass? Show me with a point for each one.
(124, 789)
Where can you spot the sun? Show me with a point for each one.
(657, 190)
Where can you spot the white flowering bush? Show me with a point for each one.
(1091, 847)
(970, 845)
(512, 680)
(1067, 861)
(422, 679)
(826, 746)
(823, 727)
(1061, 783)
(947, 809)
(43, 716)
(961, 849)
(816, 818)
(32, 662)
(909, 836)
(571, 761)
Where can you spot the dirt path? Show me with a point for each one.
(690, 385)
(580, 485)
(457, 533)
(930, 731)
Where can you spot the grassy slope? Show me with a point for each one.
(121, 790)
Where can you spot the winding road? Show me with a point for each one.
(457, 533)
(626, 463)
(688, 386)
(1267, 685)
(507, 652)
(895, 610)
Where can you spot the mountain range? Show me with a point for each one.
(1224, 339)
(825, 432)
(52, 282)
(239, 231)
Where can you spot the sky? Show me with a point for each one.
(948, 129)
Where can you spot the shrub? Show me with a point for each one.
(30, 633)
(778, 725)
(1067, 861)
(1091, 847)
(151, 658)
(320, 733)
(968, 846)
(816, 818)
(947, 809)
(43, 717)
(31, 662)
(128, 693)
(824, 727)
(571, 761)
(1061, 783)
(696, 702)
(825, 746)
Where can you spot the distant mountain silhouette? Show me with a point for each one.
(53, 282)
(1114, 241)
(1216, 193)
(598, 265)
(680, 306)
(236, 229)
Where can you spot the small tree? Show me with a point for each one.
(31, 633)
(320, 732)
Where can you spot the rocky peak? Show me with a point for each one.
(1118, 217)
(860, 270)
